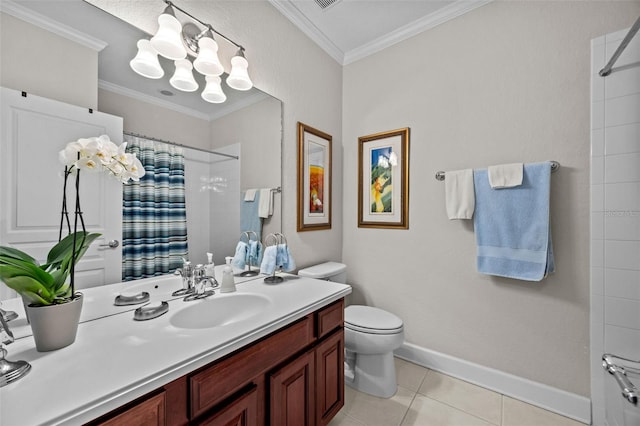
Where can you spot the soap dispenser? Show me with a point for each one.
(228, 282)
(209, 270)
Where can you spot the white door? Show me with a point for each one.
(34, 130)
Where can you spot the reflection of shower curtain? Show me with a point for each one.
(154, 219)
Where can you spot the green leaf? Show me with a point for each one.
(10, 252)
(30, 288)
(64, 248)
(15, 267)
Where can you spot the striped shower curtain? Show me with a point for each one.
(154, 217)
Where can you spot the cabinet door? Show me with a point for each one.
(329, 377)
(292, 392)
(150, 412)
(243, 411)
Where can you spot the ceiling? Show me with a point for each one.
(349, 30)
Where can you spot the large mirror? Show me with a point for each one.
(246, 129)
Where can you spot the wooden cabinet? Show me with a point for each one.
(294, 376)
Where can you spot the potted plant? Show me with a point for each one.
(48, 290)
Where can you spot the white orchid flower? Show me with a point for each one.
(69, 155)
(92, 164)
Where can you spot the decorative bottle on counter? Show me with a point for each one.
(209, 270)
(228, 282)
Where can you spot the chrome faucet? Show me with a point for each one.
(203, 285)
(10, 371)
(186, 272)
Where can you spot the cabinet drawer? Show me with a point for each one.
(330, 318)
(217, 382)
(150, 412)
(242, 411)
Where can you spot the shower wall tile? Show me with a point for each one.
(622, 254)
(597, 225)
(621, 83)
(597, 170)
(597, 281)
(622, 283)
(597, 115)
(597, 198)
(622, 139)
(622, 168)
(622, 197)
(622, 226)
(622, 312)
(597, 253)
(622, 341)
(621, 110)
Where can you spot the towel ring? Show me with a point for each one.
(248, 235)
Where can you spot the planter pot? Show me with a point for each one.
(55, 326)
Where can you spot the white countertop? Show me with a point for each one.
(115, 359)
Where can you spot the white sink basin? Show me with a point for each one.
(220, 310)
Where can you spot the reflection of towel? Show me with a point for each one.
(266, 203)
(505, 175)
(240, 257)
(268, 265)
(459, 197)
(284, 259)
(255, 252)
(250, 195)
(512, 226)
(249, 217)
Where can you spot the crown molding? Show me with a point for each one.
(110, 87)
(23, 13)
(432, 20)
(291, 12)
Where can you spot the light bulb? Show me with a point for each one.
(213, 91)
(183, 76)
(168, 39)
(146, 61)
(239, 77)
(207, 62)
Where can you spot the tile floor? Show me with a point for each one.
(429, 398)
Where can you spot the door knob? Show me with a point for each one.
(111, 244)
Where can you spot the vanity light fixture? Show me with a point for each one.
(177, 42)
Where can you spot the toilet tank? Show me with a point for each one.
(328, 271)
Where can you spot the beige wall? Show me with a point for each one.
(508, 82)
(286, 64)
(30, 60)
(155, 121)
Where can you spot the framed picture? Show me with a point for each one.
(314, 179)
(383, 180)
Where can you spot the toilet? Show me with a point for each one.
(371, 335)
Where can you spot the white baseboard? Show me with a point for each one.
(559, 401)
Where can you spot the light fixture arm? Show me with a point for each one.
(208, 26)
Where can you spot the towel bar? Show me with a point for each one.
(554, 166)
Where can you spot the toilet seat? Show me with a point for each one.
(370, 320)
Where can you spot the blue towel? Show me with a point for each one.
(268, 265)
(240, 257)
(284, 259)
(512, 225)
(254, 252)
(249, 217)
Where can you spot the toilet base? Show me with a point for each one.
(374, 374)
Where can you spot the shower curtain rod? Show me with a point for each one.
(138, 135)
(627, 39)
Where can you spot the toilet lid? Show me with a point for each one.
(368, 319)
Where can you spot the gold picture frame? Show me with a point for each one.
(314, 179)
(383, 180)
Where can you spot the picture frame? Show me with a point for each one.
(314, 179)
(383, 180)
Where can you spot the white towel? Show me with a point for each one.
(265, 208)
(250, 195)
(459, 194)
(505, 175)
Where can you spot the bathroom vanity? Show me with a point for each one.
(266, 354)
